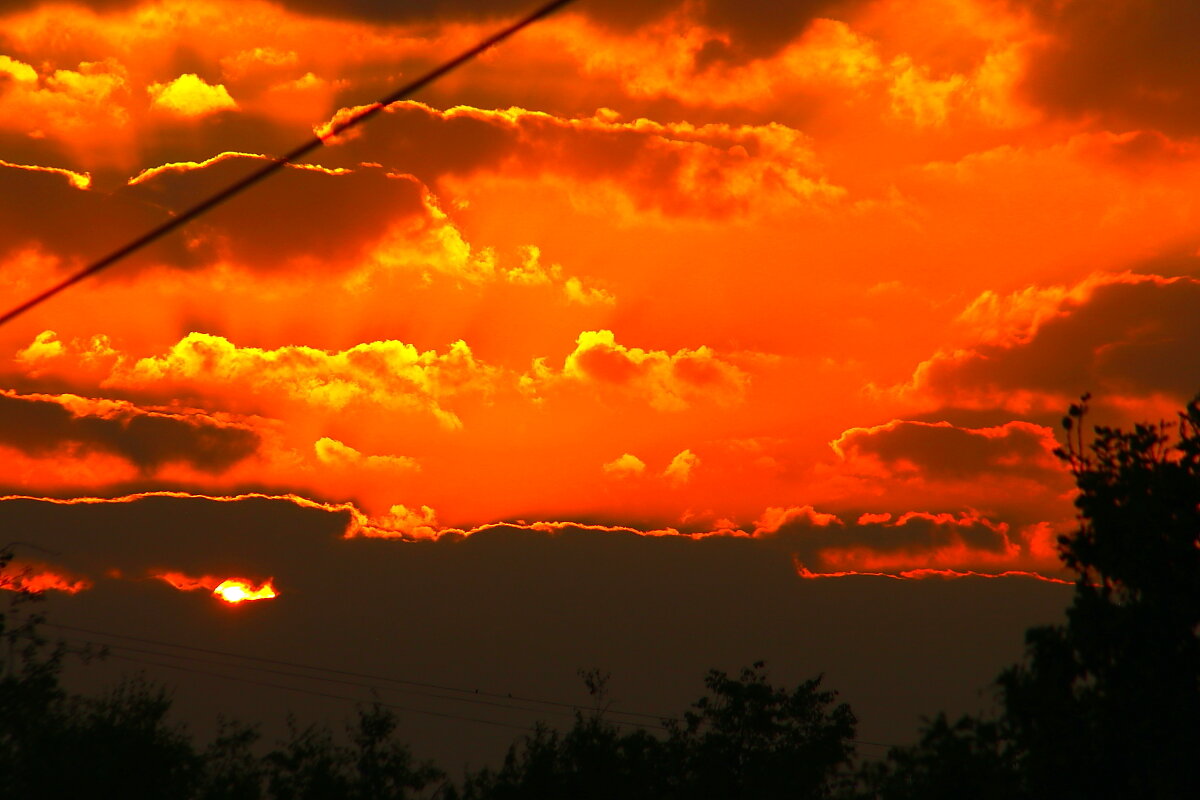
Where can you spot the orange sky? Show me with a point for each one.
(824, 275)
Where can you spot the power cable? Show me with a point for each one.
(273, 166)
(476, 694)
(393, 706)
(316, 693)
(347, 682)
(658, 718)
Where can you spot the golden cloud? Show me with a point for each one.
(189, 96)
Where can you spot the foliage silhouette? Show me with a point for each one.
(1107, 705)
(310, 765)
(743, 739)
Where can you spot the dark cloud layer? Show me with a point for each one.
(946, 452)
(518, 611)
(1135, 337)
(676, 169)
(44, 210)
(43, 425)
(755, 29)
(299, 216)
(1130, 62)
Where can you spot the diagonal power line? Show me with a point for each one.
(362, 115)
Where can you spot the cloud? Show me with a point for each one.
(65, 102)
(921, 539)
(385, 374)
(69, 426)
(189, 96)
(305, 217)
(1126, 335)
(792, 519)
(941, 451)
(72, 73)
(679, 471)
(625, 466)
(1125, 63)
(676, 169)
(667, 381)
(56, 212)
(338, 455)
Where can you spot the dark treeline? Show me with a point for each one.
(1105, 705)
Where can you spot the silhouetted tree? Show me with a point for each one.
(968, 758)
(744, 739)
(1107, 705)
(593, 760)
(749, 739)
(57, 744)
(312, 766)
(231, 770)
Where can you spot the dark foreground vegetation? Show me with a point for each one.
(1107, 705)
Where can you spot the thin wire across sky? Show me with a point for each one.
(273, 166)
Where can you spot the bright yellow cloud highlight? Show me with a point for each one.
(627, 466)
(679, 471)
(189, 96)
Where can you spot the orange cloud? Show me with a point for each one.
(334, 453)
(95, 69)
(80, 180)
(625, 466)
(921, 574)
(668, 381)
(38, 578)
(229, 590)
(679, 471)
(694, 232)
(678, 169)
(776, 520)
(389, 375)
(1124, 334)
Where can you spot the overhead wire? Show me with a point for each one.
(471, 695)
(316, 693)
(443, 714)
(512, 707)
(474, 696)
(274, 165)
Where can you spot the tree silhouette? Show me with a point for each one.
(743, 739)
(749, 739)
(1107, 705)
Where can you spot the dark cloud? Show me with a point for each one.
(946, 452)
(756, 29)
(1130, 62)
(41, 425)
(519, 611)
(919, 532)
(1139, 337)
(298, 216)
(45, 211)
(14, 6)
(676, 169)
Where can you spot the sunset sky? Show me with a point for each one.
(799, 284)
